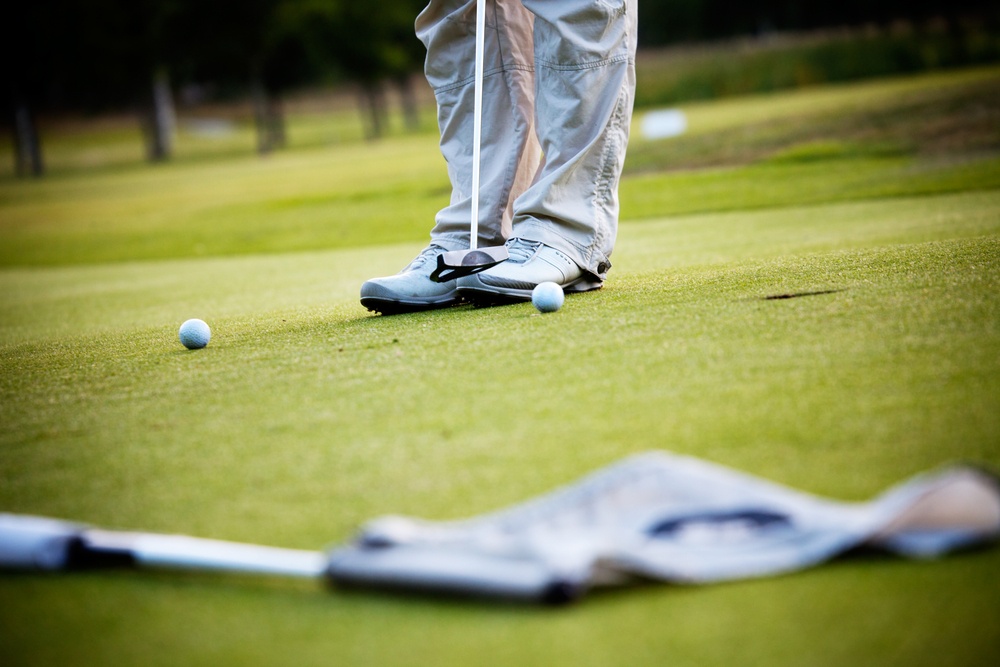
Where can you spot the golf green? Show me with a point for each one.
(307, 415)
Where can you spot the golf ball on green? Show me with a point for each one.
(547, 297)
(194, 334)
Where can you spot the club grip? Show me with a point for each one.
(36, 543)
(456, 572)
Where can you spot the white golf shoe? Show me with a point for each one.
(411, 289)
(530, 263)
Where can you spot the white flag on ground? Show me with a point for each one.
(666, 517)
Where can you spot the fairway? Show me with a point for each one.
(307, 415)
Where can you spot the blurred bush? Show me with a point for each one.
(762, 64)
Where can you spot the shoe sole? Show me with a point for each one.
(387, 306)
(490, 295)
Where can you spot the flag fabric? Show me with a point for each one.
(666, 517)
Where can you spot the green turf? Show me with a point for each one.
(307, 416)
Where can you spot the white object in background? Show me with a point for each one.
(663, 123)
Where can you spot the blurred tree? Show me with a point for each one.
(364, 45)
(27, 146)
(672, 21)
(88, 56)
(279, 44)
(393, 53)
(236, 42)
(122, 53)
(23, 65)
(402, 33)
(101, 54)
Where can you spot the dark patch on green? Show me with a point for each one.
(795, 295)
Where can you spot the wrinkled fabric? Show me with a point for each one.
(671, 518)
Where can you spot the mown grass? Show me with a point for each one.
(933, 114)
(307, 416)
(309, 199)
(936, 133)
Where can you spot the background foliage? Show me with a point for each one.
(101, 54)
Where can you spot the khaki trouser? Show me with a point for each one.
(557, 102)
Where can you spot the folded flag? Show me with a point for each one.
(666, 517)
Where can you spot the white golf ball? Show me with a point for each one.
(194, 334)
(547, 297)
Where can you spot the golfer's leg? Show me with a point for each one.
(510, 151)
(585, 84)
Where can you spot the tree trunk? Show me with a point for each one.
(373, 110)
(408, 102)
(27, 147)
(159, 122)
(269, 117)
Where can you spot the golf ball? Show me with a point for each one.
(547, 297)
(194, 334)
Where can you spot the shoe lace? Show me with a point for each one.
(428, 254)
(520, 251)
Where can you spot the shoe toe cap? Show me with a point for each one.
(373, 288)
